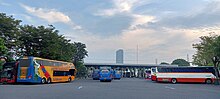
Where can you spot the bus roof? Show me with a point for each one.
(189, 67)
(26, 57)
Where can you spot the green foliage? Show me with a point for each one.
(208, 47)
(180, 62)
(1, 65)
(9, 30)
(3, 48)
(80, 52)
(45, 42)
(81, 70)
(164, 63)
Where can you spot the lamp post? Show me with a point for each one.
(216, 61)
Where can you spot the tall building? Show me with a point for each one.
(119, 56)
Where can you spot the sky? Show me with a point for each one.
(147, 30)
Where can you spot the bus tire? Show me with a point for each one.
(173, 81)
(208, 81)
(49, 80)
(43, 80)
(69, 79)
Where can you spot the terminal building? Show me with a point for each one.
(127, 70)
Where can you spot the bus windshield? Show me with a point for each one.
(104, 71)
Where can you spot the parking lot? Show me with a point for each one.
(126, 88)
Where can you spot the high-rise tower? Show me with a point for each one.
(119, 56)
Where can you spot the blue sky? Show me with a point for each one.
(162, 29)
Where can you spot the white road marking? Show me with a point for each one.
(80, 87)
(169, 87)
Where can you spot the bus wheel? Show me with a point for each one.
(43, 80)
(208, 81)
(69, 79)
(49, 80)
(174, 81)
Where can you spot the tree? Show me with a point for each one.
(206, 49)
(81, 69)
(164, 63)
(180, 62)
(9, 31)
(45, 42)
(3, 48)
(80, 53)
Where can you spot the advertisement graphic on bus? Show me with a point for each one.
(39, 70)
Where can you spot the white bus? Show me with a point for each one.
(184, 74)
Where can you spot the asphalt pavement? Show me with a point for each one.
(126, 88)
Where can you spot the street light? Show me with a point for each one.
(216, 61)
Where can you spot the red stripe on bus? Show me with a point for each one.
(199, 80)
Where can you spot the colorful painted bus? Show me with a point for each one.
(9, 73)
(185, 74)
(39, 70)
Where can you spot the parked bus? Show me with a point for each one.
(39, 70)
(105, 75)
(185, 74)
(9, 72)
(153, 72)
(95, 74)
(116, 74)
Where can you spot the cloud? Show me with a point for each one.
(120, 7)
(207, 16)
(51, 15)
(120, 17)
(5, 4)
(139, 20)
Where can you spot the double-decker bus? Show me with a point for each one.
(39, 70)
(202, 74)
(9, 73)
